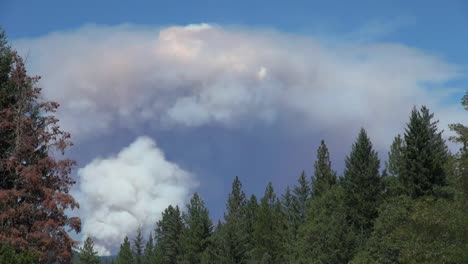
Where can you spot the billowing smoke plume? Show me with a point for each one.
(119, 193)
(137, 77)
(200, 74)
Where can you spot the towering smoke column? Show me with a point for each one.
(119, 193)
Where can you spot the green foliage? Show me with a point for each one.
(362, 184)
(395, 156)
(326, 237)
(301, 195)
(148, 253)
(216, 250)
(9, 256)
(425, 230)
(424, 155)
(324, 177)
(138, 247)
(460, 166)
(195, 237)
(87, 253)
(235, 236)
(269, 231)
(125, 255)
(168, 232)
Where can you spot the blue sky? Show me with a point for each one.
(437, 26)
(398, 53)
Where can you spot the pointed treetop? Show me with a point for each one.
(237, 199)
(87, 253)
(424, 155)
(395, 156)
(324, 177)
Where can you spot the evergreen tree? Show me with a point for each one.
(195, 237)
(424, 155)
(326, 237)
(8, 255)
(393, 167)
(34, 179)
(251, 210)
(168, 232)
(362, 184)
(125, 255)
(395, 156)
(422, 230)
(324, 177)
(138, 247)
(302, 194)
(269, 232)
(87, 253)
(461, 165)
(215, 253)
(148, 253)
(291, 218)
(235, 231)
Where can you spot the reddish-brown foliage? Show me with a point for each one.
(34, 182)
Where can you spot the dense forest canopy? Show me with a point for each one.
(411, 209)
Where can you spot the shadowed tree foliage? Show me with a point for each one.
(138, 247)
(395, 156)
(235, 228)
(393, 168)
(301, 195)
(8, 255)
(461, 164)
(324, 177)
(34, 182)
(148, 253)
(270, 230)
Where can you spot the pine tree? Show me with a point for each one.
(392, 186)
(302, 194)
(215, 253)
(125, 255)
(148, 253)
(251, 210)
(87, 253)
(235, 232)
(395, 156)
(362, 184)
(324, 177)
(424, 155)
(326, 237)
(269, 232)
(291, 218)
(195, 237)
(168, 232)
(138, 247)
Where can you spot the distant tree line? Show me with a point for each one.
(415, 210)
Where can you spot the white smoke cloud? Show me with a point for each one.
(200, 74)
(119, 193)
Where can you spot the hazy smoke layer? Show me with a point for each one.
(120, 192)
(198, 74)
